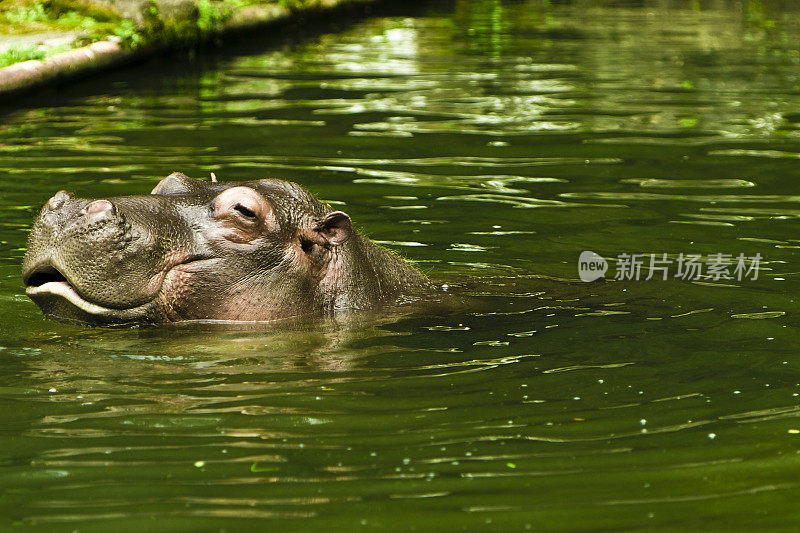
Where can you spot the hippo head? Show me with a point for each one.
(192, 250)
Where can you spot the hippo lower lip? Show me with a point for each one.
(47, 282)
(64, 303)
(64, 290)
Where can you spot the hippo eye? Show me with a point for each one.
(243, 214)
(244, 211)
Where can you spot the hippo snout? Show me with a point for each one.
(66, 223)
(63, 212)
(88, 256)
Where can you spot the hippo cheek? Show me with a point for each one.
(202, 291)
(260, 304)
(192, 290)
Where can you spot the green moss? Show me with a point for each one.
(18, 54)
(56, 15)
(57, 9)
(210, 16)
(27, 15)
(127, 33)
(96, 21)
(189, 27)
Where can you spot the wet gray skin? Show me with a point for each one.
(191, 250)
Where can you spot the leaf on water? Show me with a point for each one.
(760, 316)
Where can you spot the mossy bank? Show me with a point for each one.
(46, 40)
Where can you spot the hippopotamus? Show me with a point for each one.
(195, 250)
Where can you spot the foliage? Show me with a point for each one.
(209, 16)
(60, 8)
(97, 21)
(27, 15)
(127, 33)
(39, 15)
(17, 54)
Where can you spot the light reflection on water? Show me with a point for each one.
(490, 143)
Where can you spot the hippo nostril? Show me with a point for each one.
(99, 206)
(58, 200)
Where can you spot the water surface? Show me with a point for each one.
(484, 140)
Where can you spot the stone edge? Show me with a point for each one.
(16, 79)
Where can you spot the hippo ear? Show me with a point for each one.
(334, 228)
(177, 183)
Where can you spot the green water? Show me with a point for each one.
(485, 140)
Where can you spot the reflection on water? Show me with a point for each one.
(490, 143)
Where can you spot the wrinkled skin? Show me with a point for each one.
(246, 251)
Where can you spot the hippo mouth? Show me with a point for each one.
(43, 275)
(57, 297)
